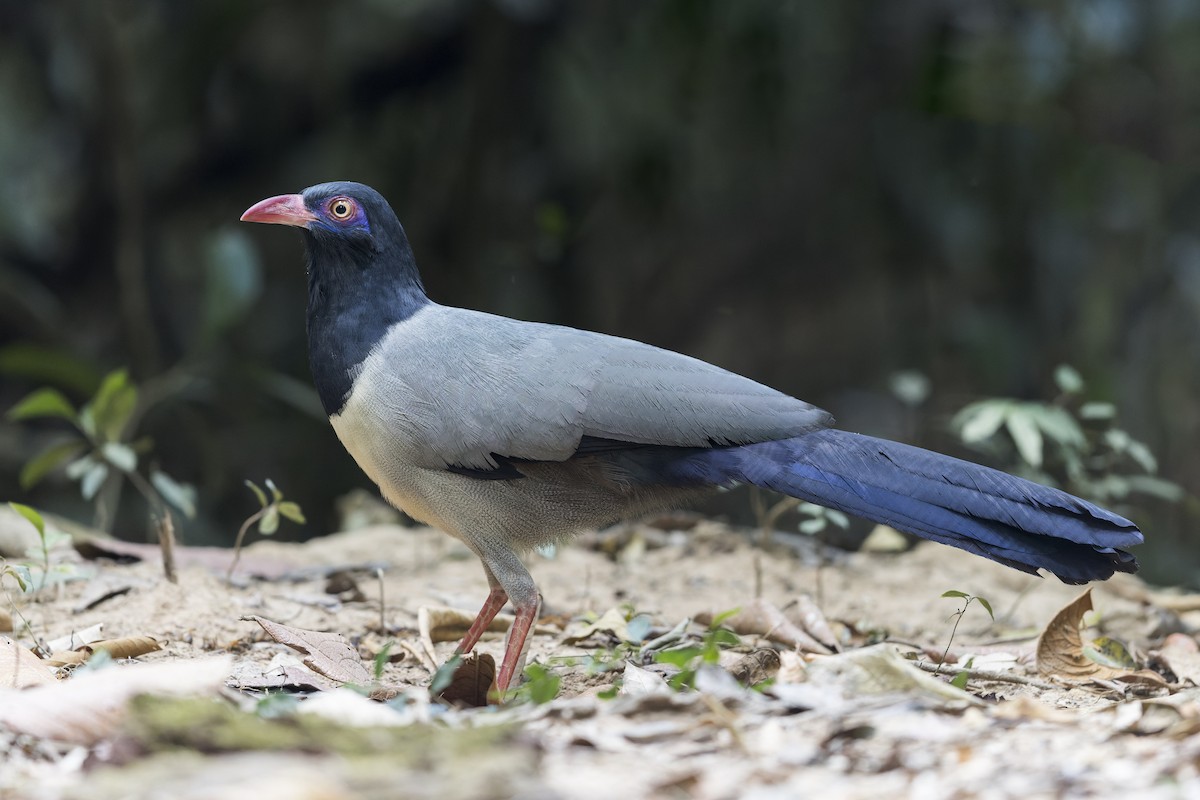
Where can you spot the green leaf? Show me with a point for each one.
(679, 657)
(444, 675)
(910, 387)
(724, 615)
(80, 466)
(1097, 411)
(987, 606)
(837, 518)
(292, 511)
(119, 455)
(43, 403)
(1140, 453)
(32, 515)
(262, 497)
(49, 365)
(1025, 435)
(113, 405)
(1056, 423)
(610, 693)
(93, 479)
(955, 593)
(278, 495)
(276, 705)
(1155, 487)
(812, 526)
(959, 681)
(20, 574)
(47, 461)
(638, 628)
(723, 637)
(381, 660)
(269, 523)
(1068, 379)
(180, 495)
(1110, 652)
(981, 420)
(543, 684)
(233, 281)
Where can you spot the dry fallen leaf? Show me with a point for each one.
(765, 619)
(5, 621)
(472, 681)
(90, 706)
(611, 623)
(125, 647)
(805, 612)
(756, 666)
(881, 669)
(441, 624)
(1180, 654)
(1060, 647)
(329, 654)
(19, 667)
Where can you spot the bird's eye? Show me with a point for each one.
(341, 208)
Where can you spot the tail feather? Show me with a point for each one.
(990, 513)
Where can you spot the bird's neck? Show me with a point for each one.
(349, 311)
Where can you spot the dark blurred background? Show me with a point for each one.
(816, 194)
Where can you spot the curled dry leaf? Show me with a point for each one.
(125, 647)
(1060, 647)
(765, 619)
(5, 621)
(20, 668)
(805, 612)
(472, 681)
(329, 654)
(441, 624)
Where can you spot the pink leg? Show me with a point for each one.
(491, 607)
(517, 636)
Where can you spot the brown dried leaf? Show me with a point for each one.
(1180, 654)
(125, 647)
(765, 619)
(756, 666)
(1060, 647)
(472, 681)
(5, 621)
(19, 667)
(329, 654)
(805, 612)
(442, 624)
(611, 623)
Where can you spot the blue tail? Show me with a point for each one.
(998, 516)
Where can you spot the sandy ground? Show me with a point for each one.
(817, 729)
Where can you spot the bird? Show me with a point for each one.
(509, 434)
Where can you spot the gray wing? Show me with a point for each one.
(464, 386)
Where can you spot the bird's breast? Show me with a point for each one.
(375, 437)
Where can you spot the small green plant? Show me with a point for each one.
(960, 680)
(541, 685)
(815, 518)
(1069, 441)
(690, 659)
(48, 539)
(271, 509)
(103, 452)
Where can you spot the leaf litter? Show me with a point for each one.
(1058, 700)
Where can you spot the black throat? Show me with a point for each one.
(356, 293)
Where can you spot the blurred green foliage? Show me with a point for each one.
(816, 194)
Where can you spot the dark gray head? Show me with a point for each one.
(362, 277)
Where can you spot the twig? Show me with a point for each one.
(166, 542)
(237, 543)
(989, 675)
(382, 604)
